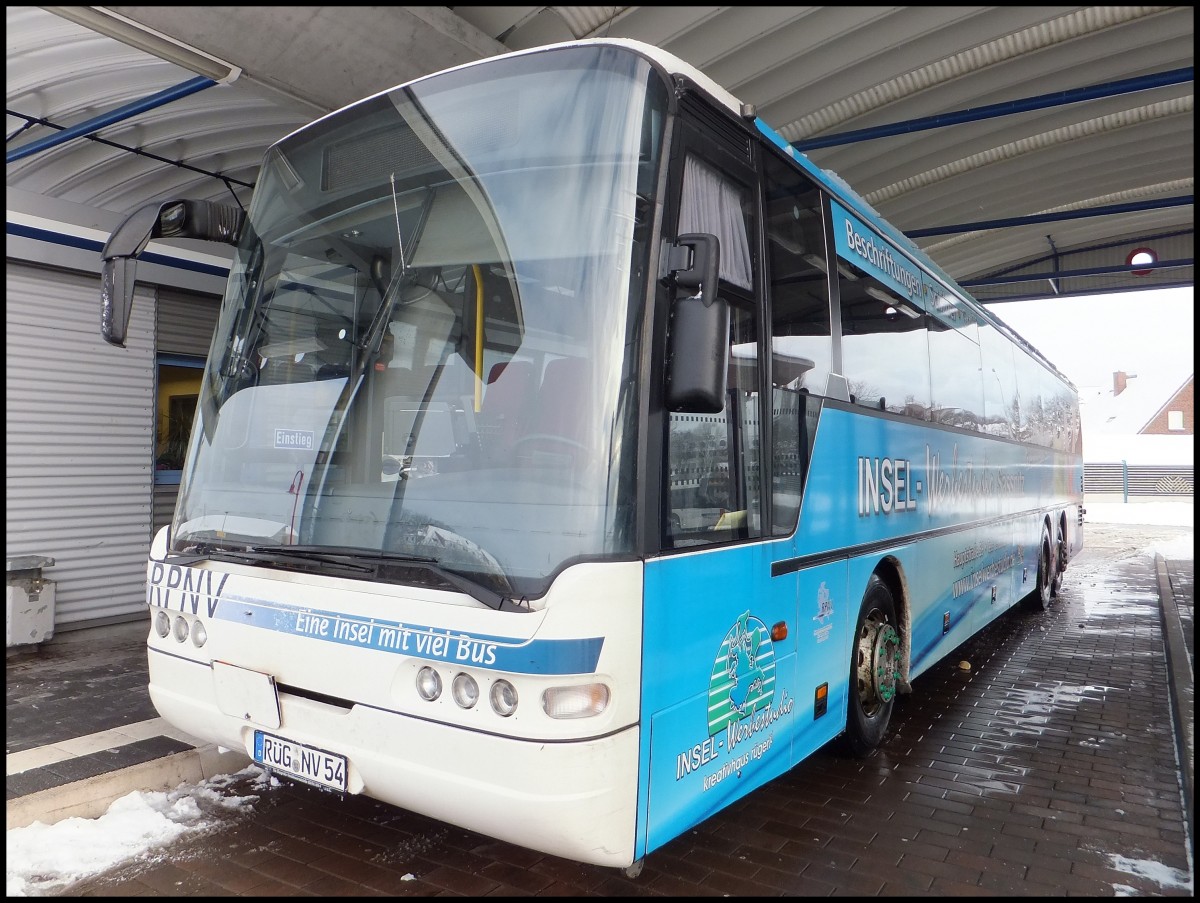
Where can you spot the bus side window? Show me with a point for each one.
(801, 335)
(714, 492)
(885, 347)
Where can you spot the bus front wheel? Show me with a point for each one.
(874, 670)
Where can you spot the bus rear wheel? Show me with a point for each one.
(1060, 560)
(874, 670)
(1039, 599)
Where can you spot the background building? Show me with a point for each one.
(1139, 435)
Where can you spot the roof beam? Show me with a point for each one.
(128, 111)
(1007, 108)
(1185, 200)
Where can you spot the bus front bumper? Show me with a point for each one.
(575, 799)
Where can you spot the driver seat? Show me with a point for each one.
(558, 432)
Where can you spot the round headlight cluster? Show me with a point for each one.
(464, 690)
(181, 628)
(504, 698)
(429, 684)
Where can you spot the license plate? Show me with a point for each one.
(304, 763)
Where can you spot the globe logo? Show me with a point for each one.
(743, 675)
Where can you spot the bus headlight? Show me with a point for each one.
(575, 702)
(199, 634)
(181, 628)
(162, 624)
(429, 684)
(504, 698)
(465, 690)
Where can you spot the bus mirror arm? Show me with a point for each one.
(698, 363)
(205, 220)
(694, 260)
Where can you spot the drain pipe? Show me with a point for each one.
(169, 95)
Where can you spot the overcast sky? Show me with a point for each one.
(1088, 338)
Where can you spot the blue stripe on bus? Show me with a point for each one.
(497, 653)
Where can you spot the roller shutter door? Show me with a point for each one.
(78, 424)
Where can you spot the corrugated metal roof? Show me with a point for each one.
(812, 72)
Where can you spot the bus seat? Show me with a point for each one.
(333, 355)
(392, 381)
(508, 401)
(558, 431)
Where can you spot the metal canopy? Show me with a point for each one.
(1030, 150)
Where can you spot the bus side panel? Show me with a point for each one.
(728, 708)
(877, 479)
(719, 695)
(824, 637)
(948, 583)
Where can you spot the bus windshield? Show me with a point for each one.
(428, 346)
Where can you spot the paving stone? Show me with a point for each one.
(1031, 775)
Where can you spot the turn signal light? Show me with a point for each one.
(583, 701)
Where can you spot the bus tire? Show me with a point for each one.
(1060, 561)
(874, 670)
(1043, 592)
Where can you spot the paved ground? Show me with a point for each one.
(1050, 768)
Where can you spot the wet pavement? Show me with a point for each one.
(1059, 764)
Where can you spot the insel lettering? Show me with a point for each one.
(699, 755)
(173, 586)
(887, 485)
(351, 631)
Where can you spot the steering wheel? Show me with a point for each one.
(539, 437)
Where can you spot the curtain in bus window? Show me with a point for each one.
(712, 203)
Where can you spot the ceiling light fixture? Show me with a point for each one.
(148, 40)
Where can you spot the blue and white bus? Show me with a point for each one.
(574, 457)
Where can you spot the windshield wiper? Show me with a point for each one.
(370, 560)
(257, 555)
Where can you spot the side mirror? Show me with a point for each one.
(205, 220)
(698, 359)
